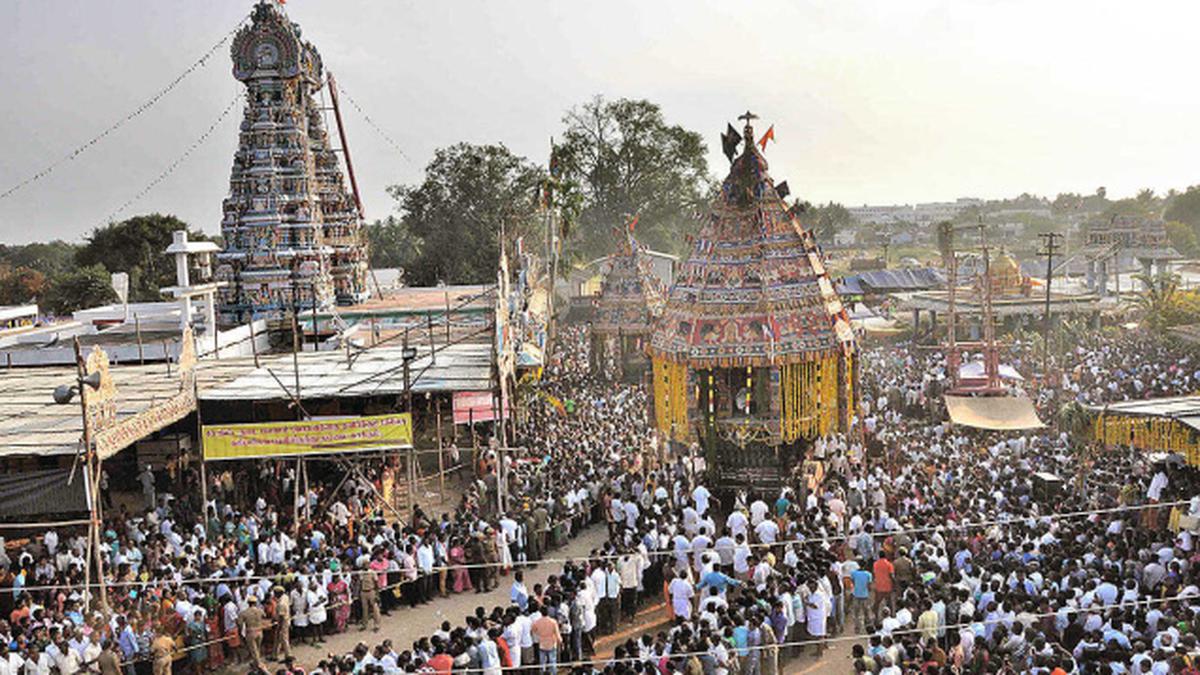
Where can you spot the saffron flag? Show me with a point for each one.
(556, 404)
(633, 224)
(769, 136)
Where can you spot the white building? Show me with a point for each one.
(920, 214)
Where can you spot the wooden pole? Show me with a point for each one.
(296, 500)
(91, 473)
(474, 440)
(412, 482)
(137, 329)
(432, 348)
(307, 488)
(447, 293)
(253, 341)
(200, 440)
(316, 335)
(441, 455)
(337, 116)
(296, 363)
(500, 479)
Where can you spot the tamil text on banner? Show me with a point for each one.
(475, 406)
(314, 437)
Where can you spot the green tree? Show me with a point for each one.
(456, 214)
(1164, 304)
(827, 220)
(1185, 207)
(392, 243)
(50, 258)
(1066, 202)
(628, 161)
(136, 246)
(84, 287)
(1183, 238)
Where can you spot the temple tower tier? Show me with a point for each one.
(293, 235)
(631, 297)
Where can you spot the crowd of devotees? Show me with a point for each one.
(919, 547)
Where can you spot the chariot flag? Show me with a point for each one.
(769, 136)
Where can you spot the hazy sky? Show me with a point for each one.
(882, 101)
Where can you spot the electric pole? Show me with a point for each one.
(1051, 244)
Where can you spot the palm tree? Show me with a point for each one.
(1159, 300)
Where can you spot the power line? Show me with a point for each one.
(371, 123)
(175, 165)
(127, 118)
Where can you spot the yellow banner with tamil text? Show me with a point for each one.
(310, 437)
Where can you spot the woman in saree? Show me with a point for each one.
(339, 602)
(195, 634)
(458, 557)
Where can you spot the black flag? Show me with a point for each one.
(783, 190)
(729, 141)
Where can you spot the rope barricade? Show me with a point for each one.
(660, 553)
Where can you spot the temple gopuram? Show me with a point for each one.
(293, 234)
(754, 356)
(631, 297)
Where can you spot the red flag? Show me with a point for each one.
(769, 136)
(633, 224)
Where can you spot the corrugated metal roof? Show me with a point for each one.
(378, 371)
(33, 424)
(1174, 407)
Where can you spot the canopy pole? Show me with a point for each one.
(91, 474)
(296, 500)
(441, 454)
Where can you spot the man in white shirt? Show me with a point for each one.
(758, 511)
(767, 531)
(681, 592)
(700, 495)
(737, 523)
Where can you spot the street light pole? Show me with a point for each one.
(1051, 246)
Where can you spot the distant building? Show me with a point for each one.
(920, 214)
(1115, 244)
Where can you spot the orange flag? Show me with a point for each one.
(769, 136)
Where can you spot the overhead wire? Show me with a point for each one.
(149, 103)
(371, 123)
(178, 161)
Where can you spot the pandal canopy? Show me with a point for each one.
(754, 293)
(631, 296)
